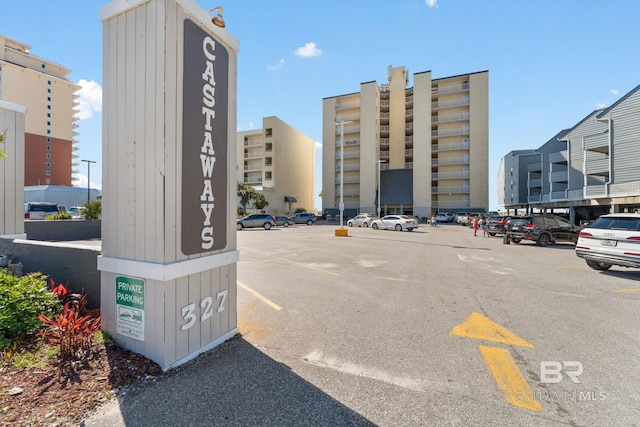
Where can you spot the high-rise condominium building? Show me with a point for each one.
(427, 145)
(42, 87)
(279, 162)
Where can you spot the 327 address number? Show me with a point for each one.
(206, 309)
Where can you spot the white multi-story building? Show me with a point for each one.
(428, 144)
(279, 162)
(43, 87)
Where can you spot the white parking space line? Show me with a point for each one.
(260, 296)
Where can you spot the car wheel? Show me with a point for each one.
(398, 227)
(492, 234)
(267, 226)
(285, 224)
(350, 224)
(365, 224)
(239, 226)
(543, 240)
(374, 226)
(410, 229)
(596, 265)
(516, 240)
(309, 222)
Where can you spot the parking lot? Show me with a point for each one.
(438, 327)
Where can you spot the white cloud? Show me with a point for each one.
(251, 125)
(276, 67)
(308, 50)
(600, 105)
(431, 3)
(90, 100)
(614, 91)
(82, 182)
(318, 144)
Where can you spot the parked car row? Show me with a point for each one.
(267, 221)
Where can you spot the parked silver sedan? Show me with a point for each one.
(395, 222)
(362, 220)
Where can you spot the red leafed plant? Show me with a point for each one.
(73, 329)
(72, 332)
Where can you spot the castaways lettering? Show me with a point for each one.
(207, 153)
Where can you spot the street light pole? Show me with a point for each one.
(379, 162)
(342, 123)
(88, 178)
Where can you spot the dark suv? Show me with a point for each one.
(542, 229)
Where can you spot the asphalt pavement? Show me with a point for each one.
(431, 327)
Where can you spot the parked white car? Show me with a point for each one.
(445, 217)
(395, 222)
(612, 239)
(362, 220)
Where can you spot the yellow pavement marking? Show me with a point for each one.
(627, 290)
(514, 386)
(481, 327)
(260, 296)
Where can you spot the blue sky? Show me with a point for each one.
(550, 62)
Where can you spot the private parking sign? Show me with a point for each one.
(130, 307)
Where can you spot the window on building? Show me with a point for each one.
(267, 161)
(47, 181)
(48, 155)
(48, 131)
(49, 98)
(48, 123)
(48, 164)
(48, 173)
(48, 139)
(49, 115)
(49, 90)
(268, 147)
(48, 148)
(267, 175)
(48, 82)
(267, 132)
(44, 66)
(48, 107)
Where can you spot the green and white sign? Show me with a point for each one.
(130, 307)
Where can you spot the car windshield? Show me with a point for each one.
(614, 223)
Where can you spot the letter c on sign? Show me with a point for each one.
(208, 46)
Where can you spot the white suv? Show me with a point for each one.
(612, 239)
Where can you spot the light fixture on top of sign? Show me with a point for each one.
(217, 20)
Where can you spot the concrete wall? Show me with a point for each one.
(72, 265)
(62, 230)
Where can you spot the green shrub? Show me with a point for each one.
(22, 299)
(61, 215)
(92, 209)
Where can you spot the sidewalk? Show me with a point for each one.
(234, 384)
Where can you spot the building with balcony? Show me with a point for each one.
(589, 169)
(279, 162)
(50, 129)
(428, 144)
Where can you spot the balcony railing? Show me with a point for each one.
(384, 154)
(442, 90)
(450, 161)
(559, 157)
(625, 189)
(349, 155)
(347, 105)
(450, 175)
(347, 129)
(450, 103)
(560, 176)
(451, 146)
(451, 132)
(450, 189)
(447, 118)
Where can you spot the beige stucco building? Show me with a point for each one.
(279, 162)
(428, 143)
(43, 87)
